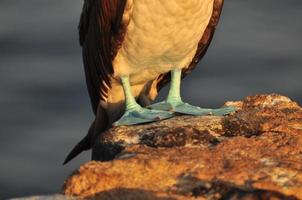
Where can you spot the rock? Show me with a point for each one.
(255, 153)
(48, 197)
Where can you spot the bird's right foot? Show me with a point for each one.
(142, 115)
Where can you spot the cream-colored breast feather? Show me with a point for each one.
(161, 35)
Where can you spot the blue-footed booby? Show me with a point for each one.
(132, 48)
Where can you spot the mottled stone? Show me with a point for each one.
(48, 197)
(255, 153)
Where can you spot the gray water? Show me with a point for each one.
(44, 104)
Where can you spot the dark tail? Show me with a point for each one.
(83, 145)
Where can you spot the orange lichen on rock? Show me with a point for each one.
(255, 153)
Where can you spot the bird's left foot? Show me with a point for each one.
(185, 108)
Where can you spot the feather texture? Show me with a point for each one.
(101, 31)
(203, 45)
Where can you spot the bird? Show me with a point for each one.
(133, 48)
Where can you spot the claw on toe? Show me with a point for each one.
(225, 110)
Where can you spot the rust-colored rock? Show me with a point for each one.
(255, 153)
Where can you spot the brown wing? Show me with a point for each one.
(101, 31)
(203, 45)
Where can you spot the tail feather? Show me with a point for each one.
(83, 145)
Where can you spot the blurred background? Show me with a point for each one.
(44, 105)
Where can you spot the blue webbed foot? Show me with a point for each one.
(142, 115)
(185, 108)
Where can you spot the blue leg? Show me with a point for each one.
(135, 114)
(174, 102)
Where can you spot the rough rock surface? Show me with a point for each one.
(255, 153)
(48, 197)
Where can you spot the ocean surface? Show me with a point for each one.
(44, 105)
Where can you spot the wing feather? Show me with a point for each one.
(101, 31)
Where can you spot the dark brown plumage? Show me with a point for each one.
(101, 31)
